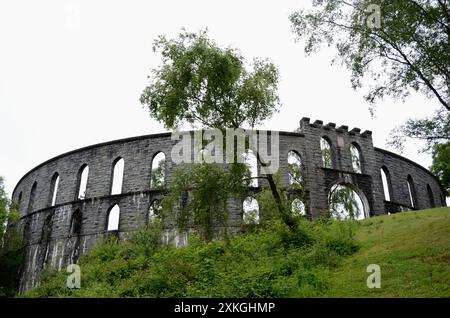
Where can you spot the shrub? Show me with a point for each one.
(268, 261)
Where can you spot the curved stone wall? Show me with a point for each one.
(57, 234)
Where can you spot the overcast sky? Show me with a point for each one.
(71, 73)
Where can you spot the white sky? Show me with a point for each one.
(71, 73)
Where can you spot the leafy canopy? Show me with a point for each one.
(202, 83)
(200, 194)
(4, 203)
(433, 131)
(441, 164)
(400, 45)
(394, 48)
(345, 203)
(10, 244)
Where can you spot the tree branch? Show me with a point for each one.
(416, 70)
(385, 38)
(430, 16)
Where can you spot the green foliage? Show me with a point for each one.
(412, 265)
(270, 261)
(344, 204)
(10, 245)
(251, 212)
(441, 164)
(433, 131)
(356, 160)
(295, 171)
(209, 187)
(10, 257)
(200, 82)
(292, 196)
(327, 158)
(4, 205)
(395, 47)
(408, 39)
(148, 240)
(157, 176)
(295, 175)
(325, 259)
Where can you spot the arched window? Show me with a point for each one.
(251, 210)
(184, 199)
(294, 169)
(154, 212)
(76, 223)
(75, 231)
(117, 176)
(19, 200)
(298, 207)
(345, 203)
(204, 155)
(27, 232)
(47, 229)
(32, 197)
(252, 165)
(113, 218)
(54, 189)
(430, 196)
(83, 175)
(327, 156)
(356, 158)
(411, 191)
(386, 181)
(158, 174)
(46, 235)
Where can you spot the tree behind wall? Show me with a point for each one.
(11, 245)
(200, 83)
(441, 165)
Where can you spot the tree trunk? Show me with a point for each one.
(287, 219)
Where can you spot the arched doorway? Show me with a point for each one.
(347, 202)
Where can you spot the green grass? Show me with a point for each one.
(320, 259)
(412, 250)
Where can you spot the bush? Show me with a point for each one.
(268, 261)
(11, 252)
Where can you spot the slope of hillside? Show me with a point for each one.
(412, 250)
(321, 259)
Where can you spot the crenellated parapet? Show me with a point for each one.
(305, 123)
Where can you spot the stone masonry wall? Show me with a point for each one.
(136, 197)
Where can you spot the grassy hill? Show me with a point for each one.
(321, 259)
(412, 249)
